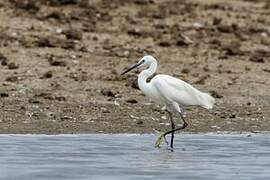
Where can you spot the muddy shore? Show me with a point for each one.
(60, 63)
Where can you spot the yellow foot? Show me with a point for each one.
(160, 140)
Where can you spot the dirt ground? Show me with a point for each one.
(61, 60)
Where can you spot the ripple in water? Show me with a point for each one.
(112, 156)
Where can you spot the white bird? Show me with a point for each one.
(170, 92)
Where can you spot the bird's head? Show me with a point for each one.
(146, 60)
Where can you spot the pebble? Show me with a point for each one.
(47, 74)
(13, 66)
(215, 94)
(3, 60)
(57, 63)
(73, 34)
(202, 79)
(185, 70)
(143, 2)
(135, 32)
(259, 55)
(104, 110)
(107, 92)
(66, 117)
(4, 94)
(232, 116)
(132, 101)
(216, 21)
(215, 127)
(198, 25)
(12, 79)
(59, 31)
(139, 122)
(116, 103)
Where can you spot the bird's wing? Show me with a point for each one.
(172, 89)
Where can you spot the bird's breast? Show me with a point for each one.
(150, 92)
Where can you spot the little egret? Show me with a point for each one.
(170, 92)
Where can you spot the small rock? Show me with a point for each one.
(259, 55)
(46, 42)
(266, 70)
(58, 63)
(116, 103)
(215, 94)
(164, 43)
(164, 117)
(183, 40)
(73, 34)
(232, 116)
(256, 29)
(3, 60)
(143, 2)
(56, 15)
(132, 101)
(13, 66)
(2, 95)
(107, 92)
(12, 79)
(202, 79)
(60, 98)
(54, 62)
(247, 68)
(104, 110)
(206, 69)
(185, 70)
(135, 32)
(216, 21)
(225, 28)
(62, 2)
(34, 101)
(139, 122)
(198, 25)
(256, 58)
(59, 31)
(215, 127)
(66, 117)
(232, 49)
(44, 95)
(47, 74)
(215, 41)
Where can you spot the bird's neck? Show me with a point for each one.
(146, 74)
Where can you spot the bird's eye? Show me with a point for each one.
(143, 61)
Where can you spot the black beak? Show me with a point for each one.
(132, 67)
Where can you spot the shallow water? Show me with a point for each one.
(101, 156)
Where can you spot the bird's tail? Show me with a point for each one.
(207, 101)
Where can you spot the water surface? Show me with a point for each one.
(112, 156)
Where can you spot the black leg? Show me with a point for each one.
(180, 128)
(173, 128)
(163, 135)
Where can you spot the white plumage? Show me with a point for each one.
(170, 92)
